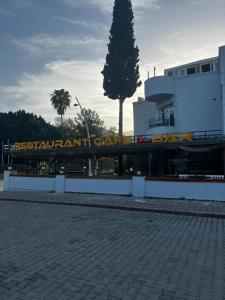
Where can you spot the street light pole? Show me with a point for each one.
(88, 132)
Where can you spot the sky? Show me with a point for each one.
(53, 44)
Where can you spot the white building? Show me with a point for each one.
(190, 97)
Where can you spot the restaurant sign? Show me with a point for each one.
(105, 141)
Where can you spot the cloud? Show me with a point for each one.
(85, 24)
(22, 3)
(14, 5)
(107, 5)
(5, 12)
(81, 78)
(206, 2)
(61, 46)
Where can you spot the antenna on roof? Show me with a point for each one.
(154, 71)
(148, 74)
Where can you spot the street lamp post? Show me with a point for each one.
(88, 132)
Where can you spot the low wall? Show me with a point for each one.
(136, 186)
(99, 186)
(201, 190)
(46, 184)
(61, 184)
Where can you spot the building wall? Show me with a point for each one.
(142, 112)
(198, 103)
(222, 76)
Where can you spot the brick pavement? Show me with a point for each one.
(69, 252)
(184, 207)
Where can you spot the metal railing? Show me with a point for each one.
(212, 135)
(161, 122)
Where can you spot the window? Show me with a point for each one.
(170, 73)
(182, 72)
(167, 115)
(176, 73)
(216, 66)
(206, 68)
(191, 70)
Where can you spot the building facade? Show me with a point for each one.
(189, 97)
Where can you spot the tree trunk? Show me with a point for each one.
(120, 158)
(61, 119)
(121, 119)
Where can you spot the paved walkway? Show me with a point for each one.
(53, 252)
(183, 207)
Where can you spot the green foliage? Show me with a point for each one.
(112, 131)
(95, 124)
(42, 165)
(60, 100)
(76, 128)
(21, 126)
(67, 127)
(121, 70)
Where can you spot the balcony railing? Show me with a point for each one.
(161, 122)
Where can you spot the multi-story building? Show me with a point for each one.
(188, 98)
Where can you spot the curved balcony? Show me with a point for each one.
(159, 88)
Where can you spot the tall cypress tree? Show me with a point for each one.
(121, 70)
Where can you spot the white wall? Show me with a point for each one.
(188, 190)
(138, 187)
(196, 109)
(142, 112)
(31, 183)
(159, 85)
(222, 75)
(99, 186)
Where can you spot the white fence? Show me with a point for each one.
(136, 186)
(186, 190)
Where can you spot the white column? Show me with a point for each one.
(138, 186)
(6, 182)
(59, 183)
(222, 75)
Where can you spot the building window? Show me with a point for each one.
(191, 70)
(183, 72)
(216, 66)
(176, 73)
(170, 73)
(206, 68)
(167, 115)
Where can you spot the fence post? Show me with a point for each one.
(6, 181)
(60, 183)
(138, 186)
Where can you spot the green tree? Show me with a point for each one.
(95, 124)
(60, 100)
(22, 126)
(121, 70)
(68, 127)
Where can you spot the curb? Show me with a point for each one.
(125, 208)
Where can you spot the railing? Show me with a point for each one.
(213, 177)
(195, 136)
(161, 122)
(208, 135)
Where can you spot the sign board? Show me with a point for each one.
(105, 141)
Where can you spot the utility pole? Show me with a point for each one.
(88, 133)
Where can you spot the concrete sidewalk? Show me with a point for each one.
(212, 209)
